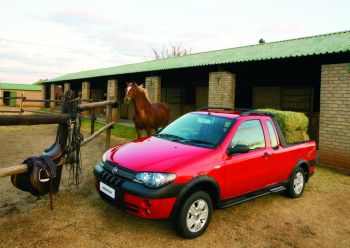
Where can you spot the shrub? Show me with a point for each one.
(294, 125)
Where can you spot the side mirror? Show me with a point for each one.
(239, 148)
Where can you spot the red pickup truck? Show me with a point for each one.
(212, 158)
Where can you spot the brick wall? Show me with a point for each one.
(85, 90)
(43, 95)
(1, 100)
(221, 89)
(334, 135)
(66, 87)
(153, 85)
(85, 94)
(112, 95)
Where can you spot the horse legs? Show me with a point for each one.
(148, 132)
(139, 132)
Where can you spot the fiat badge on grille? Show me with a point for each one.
(114, 170)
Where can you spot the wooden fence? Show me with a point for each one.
(24, 99)
(61, 119)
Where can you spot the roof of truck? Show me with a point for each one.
(231, 113)
(220, 113)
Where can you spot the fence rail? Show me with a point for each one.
(7, 120)
(24, 99)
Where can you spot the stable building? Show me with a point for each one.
(310, 75)
(19, 90)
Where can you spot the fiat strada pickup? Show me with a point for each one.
(206, 159)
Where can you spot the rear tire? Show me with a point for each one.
(194, 215)
(296, 183)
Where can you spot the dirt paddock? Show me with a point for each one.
(321, 218)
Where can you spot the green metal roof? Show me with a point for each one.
(307, 46)
(4, 86)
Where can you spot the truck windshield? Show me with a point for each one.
(197, 129)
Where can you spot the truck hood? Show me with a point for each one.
(153, 154)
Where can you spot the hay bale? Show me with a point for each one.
(294, 125)
(296, 136)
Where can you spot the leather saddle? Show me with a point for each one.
(54, 152)
(41, 177)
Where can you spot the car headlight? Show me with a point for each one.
(104, 157)
(154, 179)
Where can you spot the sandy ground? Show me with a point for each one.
(321, 218)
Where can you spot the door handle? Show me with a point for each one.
(266, 155)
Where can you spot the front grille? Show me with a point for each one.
(114, 178)
(126, 174)
(111, 179)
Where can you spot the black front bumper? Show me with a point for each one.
(121, 181)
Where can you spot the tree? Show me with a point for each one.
(262, 41)
(172, 51)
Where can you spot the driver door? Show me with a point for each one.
(247, 172)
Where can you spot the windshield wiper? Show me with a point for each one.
(199, 142)
(170, 136)
(173, 137)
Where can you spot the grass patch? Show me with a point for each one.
(118, 130)
(44, 111)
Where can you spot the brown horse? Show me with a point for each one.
(147, 116)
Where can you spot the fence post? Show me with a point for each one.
(21, 105)
(108, 120)
(93, 119)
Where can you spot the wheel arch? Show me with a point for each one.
(302, 163)
(200, 183)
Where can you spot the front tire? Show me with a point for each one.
(297, 183)
(194, 215)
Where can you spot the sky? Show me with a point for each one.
(42, 39)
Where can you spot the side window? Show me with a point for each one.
(249, 133)
(272, 133)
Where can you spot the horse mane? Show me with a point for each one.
(144, 91)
